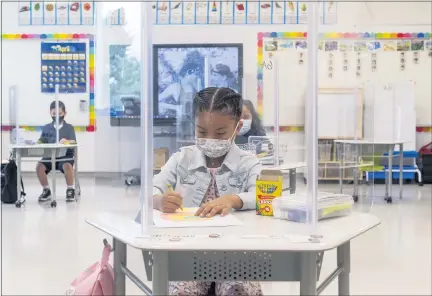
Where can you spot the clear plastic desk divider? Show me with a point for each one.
(311, 126)
(13, 113)
(276, 112)
(206, 73)
(146, 193)
(57, 111)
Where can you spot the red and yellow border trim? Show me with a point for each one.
(424, 129)
(91, 60)
(329, 35)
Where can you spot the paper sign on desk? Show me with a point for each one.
(186, 218)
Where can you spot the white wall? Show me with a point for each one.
(113, 149)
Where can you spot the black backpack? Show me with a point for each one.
(9, 183)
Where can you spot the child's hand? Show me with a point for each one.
(62, 141)
(170, 202)
(221, 205)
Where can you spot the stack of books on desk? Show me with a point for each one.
(295, 207)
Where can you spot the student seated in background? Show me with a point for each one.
(214, 175)
(63, 164)
(251, 124)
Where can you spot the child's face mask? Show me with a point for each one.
(61, 116)
(214, 148)
(247, 123)
(54, 118)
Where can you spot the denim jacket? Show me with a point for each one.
(186, 171)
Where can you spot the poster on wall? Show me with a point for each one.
(176, 12)
(227, 11)
(278, 15)
(182, 72)
(60, 13)
(291, 12)
(24, 15)
(189, 12)
(240, 12)
(63, 64)
(214, 12)
(266, 11)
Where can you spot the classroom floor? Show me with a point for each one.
(43, 249)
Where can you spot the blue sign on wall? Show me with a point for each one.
(63, 64)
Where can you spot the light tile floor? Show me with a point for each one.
(43, 249)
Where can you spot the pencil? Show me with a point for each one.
(171, 189)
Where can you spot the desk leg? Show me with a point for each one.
(400, 170)
(343, 261)
(292, 180)
(160, 273)
(308, 279)
(53, 177)
(389, 176)
(76, 181)
(341, 163)
(119, 260)
(356, 184)
(20, 199)
(356, 173)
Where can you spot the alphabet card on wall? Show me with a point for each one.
(227, 12)
(39, 13)
(239, 12)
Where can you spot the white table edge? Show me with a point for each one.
(134, 241)
(282, 167)
(41, 146)
(370, 142)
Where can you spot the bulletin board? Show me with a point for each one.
(22, 68)
(346, 60)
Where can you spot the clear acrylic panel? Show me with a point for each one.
(117, 145)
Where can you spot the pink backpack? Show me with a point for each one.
(98, 279)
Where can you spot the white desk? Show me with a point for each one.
(38, 151)
(389, 176)
(291, 169)
(264, 249)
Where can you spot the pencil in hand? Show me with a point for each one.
(171, 189)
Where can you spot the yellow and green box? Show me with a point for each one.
(268, 187)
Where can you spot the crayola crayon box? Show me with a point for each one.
(268, 187)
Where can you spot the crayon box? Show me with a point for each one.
(268, 187)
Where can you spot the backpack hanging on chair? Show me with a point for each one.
(97, 280)
(9, 192)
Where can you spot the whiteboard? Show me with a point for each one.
(340, 114)
(390, 113)
(21, 68)
(290, 79)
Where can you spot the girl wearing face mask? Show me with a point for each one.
(214, 175)
(251, 124)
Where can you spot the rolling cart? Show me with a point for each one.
(425, 154)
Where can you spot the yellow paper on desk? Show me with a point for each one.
(336, 208)
(268, 187)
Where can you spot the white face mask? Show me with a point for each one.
(247, 123)
(214, 148)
